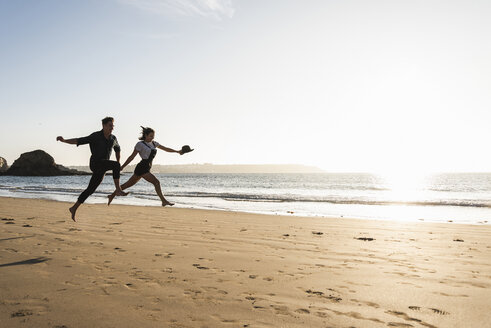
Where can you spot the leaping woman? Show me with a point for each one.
(147, 148)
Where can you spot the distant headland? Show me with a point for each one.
(220, 168)
(40, 163)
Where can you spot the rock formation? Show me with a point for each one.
(3, 164)
(39, 163)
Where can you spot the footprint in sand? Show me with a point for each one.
(214, 289)
(29, 306)
(21, 313)
(370, 304)
(399, 324)
(302, 311)
(404, 316)
(69, 283)
(441, 312)
(167, 256)
(321, 314)
(205, 259)
(281, 309)
(445, 294)
(432, 310)
(129, 285)
(314, 292)
(330, 297)
(223, 320)
(198, 266)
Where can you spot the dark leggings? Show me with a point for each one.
(99, 169)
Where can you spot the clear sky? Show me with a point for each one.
(342, 85)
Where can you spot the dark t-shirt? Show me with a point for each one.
(100, 147)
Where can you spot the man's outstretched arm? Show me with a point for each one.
(72, 141)
(78, 141)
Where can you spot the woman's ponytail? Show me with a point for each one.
(145, 131)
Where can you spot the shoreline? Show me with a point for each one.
(441, 198)
(292, 214)
(146, 266)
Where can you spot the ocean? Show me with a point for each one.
(456, 198)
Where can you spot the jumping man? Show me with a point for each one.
(101, 144)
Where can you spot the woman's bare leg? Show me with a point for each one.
(153, 180)
(134, 179)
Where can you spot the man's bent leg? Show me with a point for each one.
(95, 181)
(116, 168)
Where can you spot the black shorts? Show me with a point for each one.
(99, 168)
(142, 168)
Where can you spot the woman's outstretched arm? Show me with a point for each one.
(169, 150)
(129, 159)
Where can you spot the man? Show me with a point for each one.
(101, 144)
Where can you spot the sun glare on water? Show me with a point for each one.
(405, 186)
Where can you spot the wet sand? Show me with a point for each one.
(132, 266)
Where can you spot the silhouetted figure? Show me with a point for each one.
(101, 145)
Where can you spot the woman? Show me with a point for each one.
(147, 148)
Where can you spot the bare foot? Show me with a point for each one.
(110, 199)
(167, 203)
(73, 211)
(121, 193)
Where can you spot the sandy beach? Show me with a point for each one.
(132, 266)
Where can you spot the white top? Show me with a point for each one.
(143, 150)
